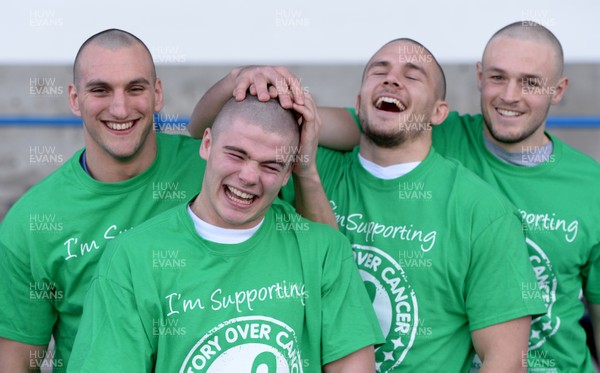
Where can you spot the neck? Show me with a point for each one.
(105, 168)
(415, 150)
(197, 207)
(536, 140)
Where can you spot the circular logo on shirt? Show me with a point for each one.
(545, 326)
(394, 302)
(246, 344)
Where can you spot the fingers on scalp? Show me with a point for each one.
(272, 91)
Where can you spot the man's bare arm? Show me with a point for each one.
(595, 316)
(339, 130)
(503, 347)
(16, 357)
(361, 361)
(311, 201)
(265, 82)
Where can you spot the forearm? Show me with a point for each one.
(18, 357)
(311, 201)
(210, 104)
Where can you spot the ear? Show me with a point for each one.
(357, 104)
(158, 95)
(440, 112)
(479, 75)
(560, 89)
(73, 103)
(206, 144)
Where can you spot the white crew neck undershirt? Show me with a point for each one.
(221, 235)
(389, 172)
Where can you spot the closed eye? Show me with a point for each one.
(273, 167)
(235, 156)
(137, 89)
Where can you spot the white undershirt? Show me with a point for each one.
(389, 172)
(221, 235)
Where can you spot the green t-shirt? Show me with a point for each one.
(441, 255)
(559, 201)
(166, 299)
(53, 237)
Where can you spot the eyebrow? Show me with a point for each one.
(245, 153)
(101, 83)
(409, 65)
(375, 64)
(494, 69)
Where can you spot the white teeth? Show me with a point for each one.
(119, 126)
(508, 113)
(389, 100)
(247, 198)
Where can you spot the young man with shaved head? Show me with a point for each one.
(53, 237)
(442, 255)
(554, 186)
(254, 294)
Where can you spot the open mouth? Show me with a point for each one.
(115, 126)
(508, 113)
(389, 104)
(239, 196)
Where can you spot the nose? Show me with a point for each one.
(118, 106)
(512, 91)
(391, 78)
(249, 173)
(388, 82)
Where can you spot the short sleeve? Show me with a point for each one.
(498, 274)
(27, 314)
(348, 319)
(111, 333)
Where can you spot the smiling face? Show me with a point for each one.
(401, 94)
(519, 79)
(116, 95)
(244, 172)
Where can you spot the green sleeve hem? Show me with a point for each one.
(537, 311)
(347, 350)
(26, 339)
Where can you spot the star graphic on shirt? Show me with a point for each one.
(397, 343)
(388, 355)
(535, 334)
(547, 325)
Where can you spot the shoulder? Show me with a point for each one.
(157, 232)
(455, 122)
(43, 194)
(327, 157)
(577, 159)
(178, 142)
(308, 233)
(473, 194)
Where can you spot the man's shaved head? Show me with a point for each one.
(531, 31)
(112, 39)
(270, 116)
(440, 80)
